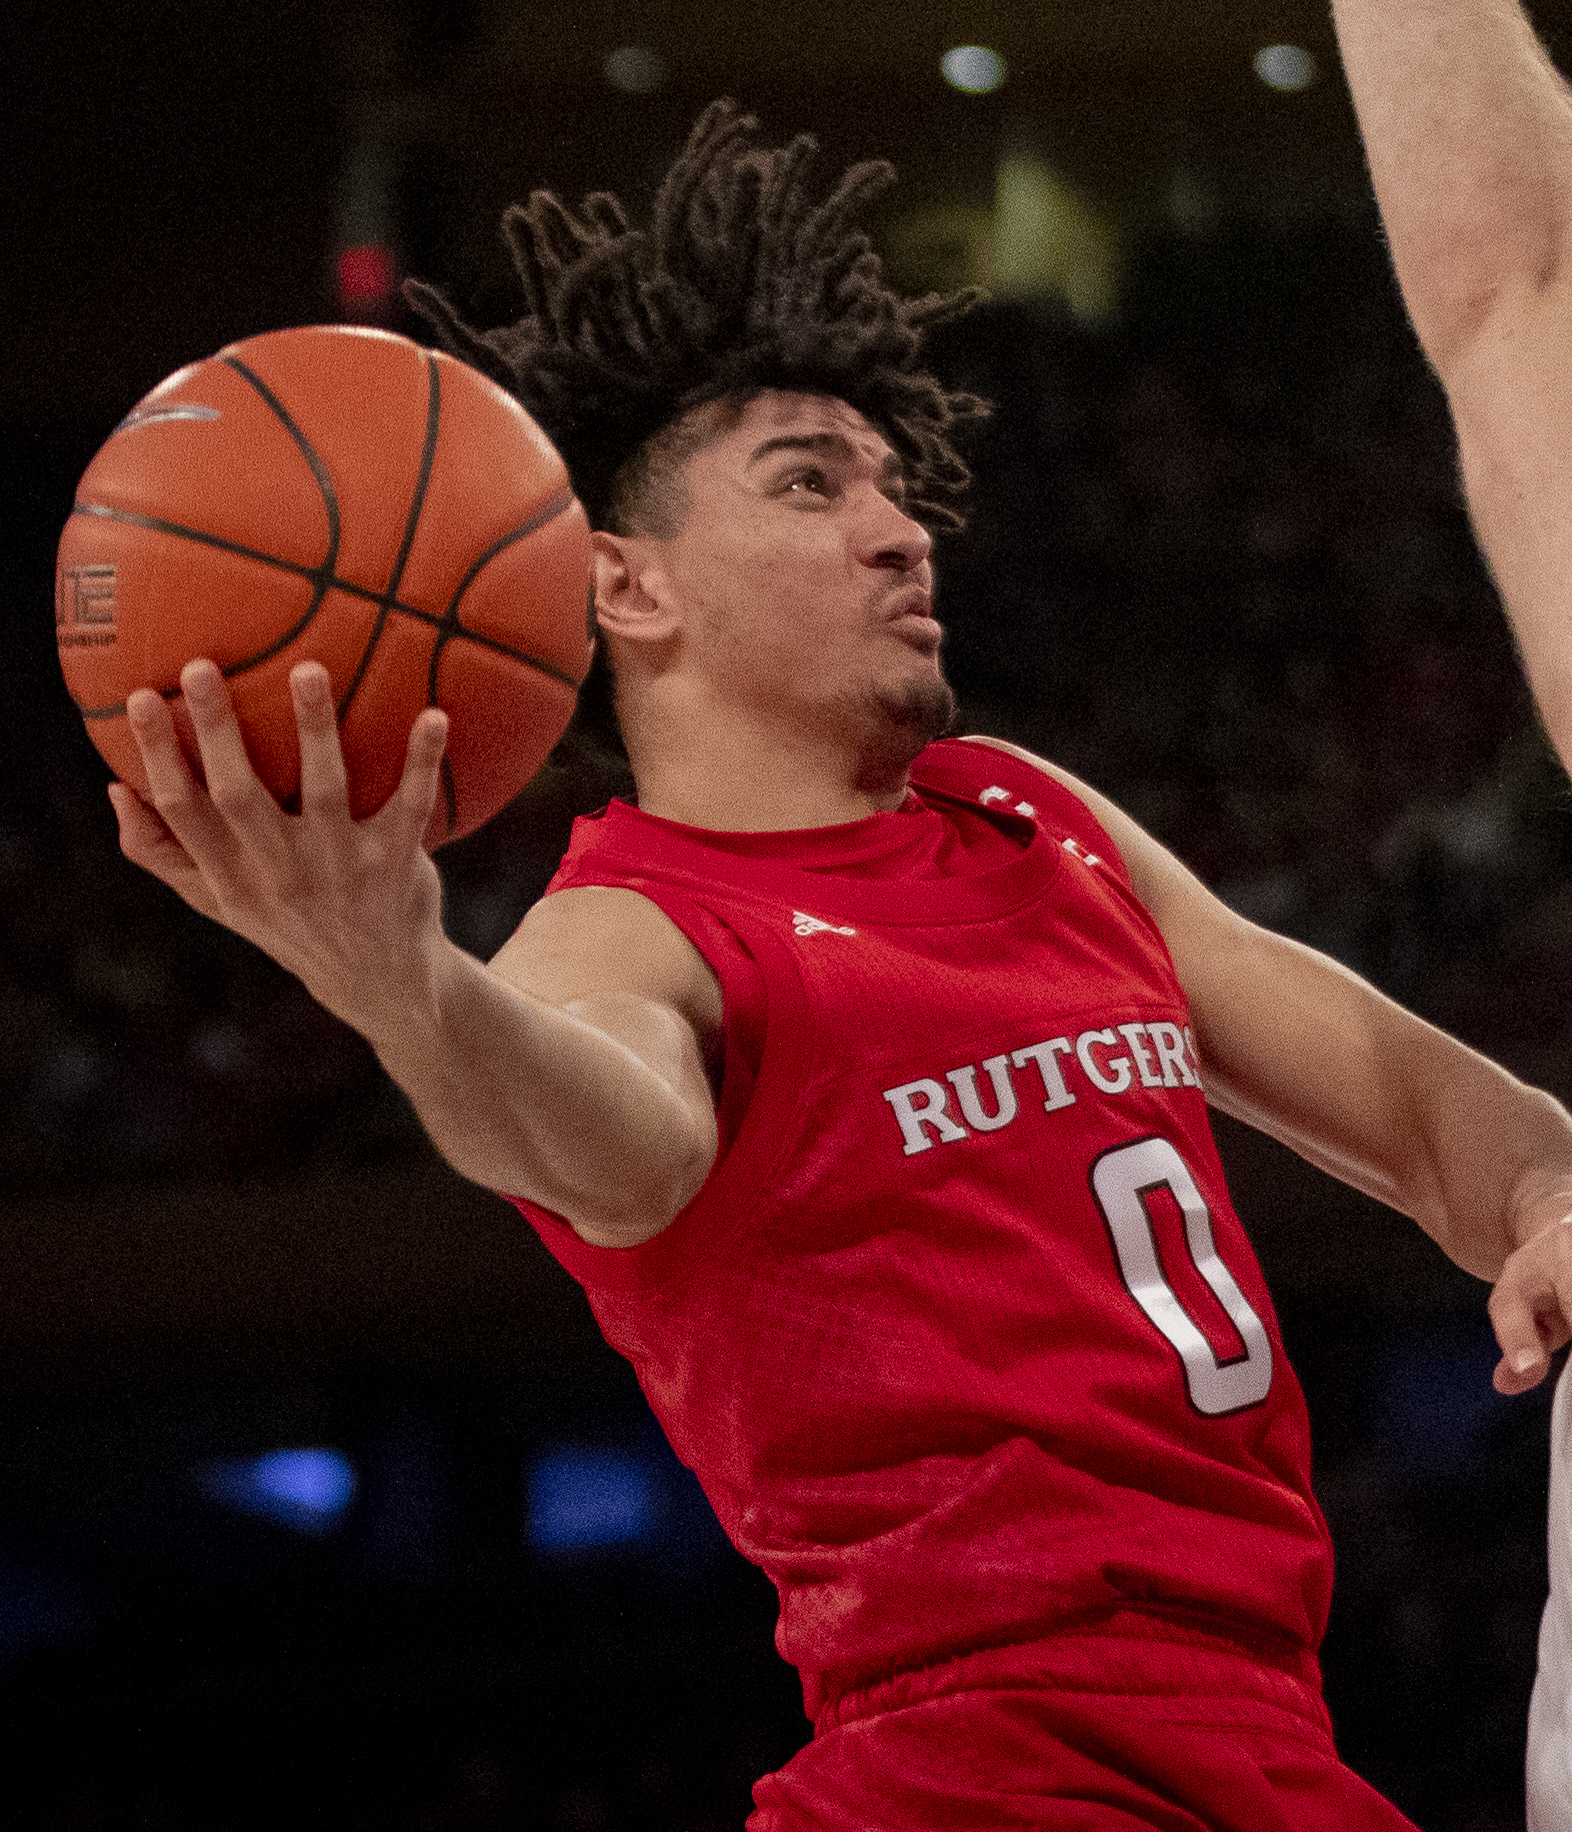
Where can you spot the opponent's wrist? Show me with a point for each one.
(1540, 1197)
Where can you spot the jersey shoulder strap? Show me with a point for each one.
(974, 770)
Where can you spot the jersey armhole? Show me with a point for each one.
(744, 1014)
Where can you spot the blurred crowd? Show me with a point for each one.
(1221, 568)
(1218, 566)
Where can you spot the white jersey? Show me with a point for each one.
(1550, 1714)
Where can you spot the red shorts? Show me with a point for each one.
(1134, 1725)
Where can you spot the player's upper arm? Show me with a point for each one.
(645, 1016)
(598, 946)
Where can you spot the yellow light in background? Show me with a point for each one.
(1047, 241)
(941, 248)
(1040, 240)
(1289, 68)
(973, 68)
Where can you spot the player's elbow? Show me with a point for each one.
(627, 1191)
(1488, 286)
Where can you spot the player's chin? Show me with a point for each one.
(922, 706)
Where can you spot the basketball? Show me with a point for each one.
(340, 495)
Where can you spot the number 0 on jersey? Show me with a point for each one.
(1121, 1181)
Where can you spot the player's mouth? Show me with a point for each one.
(911, 616)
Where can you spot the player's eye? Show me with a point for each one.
(808, 480)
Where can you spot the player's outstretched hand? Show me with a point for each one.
(351, 907)
(1531, 1305)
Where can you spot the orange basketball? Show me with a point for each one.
(340, 495)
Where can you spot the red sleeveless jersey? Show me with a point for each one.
(962, 1335)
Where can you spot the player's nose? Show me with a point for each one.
(890, 537)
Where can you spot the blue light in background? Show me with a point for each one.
(1289, 68)
(584, 1500)
(307, 1489)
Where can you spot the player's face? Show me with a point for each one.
(807, 590)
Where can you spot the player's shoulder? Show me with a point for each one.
(981, 751)
(1174, 897)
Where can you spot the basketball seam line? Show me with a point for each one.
(448, 623)
(324, 482)
(389, 595)
(453, 625)
(307, 451)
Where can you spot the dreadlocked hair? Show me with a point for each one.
(739, 284)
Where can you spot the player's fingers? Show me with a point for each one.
(147, 841)
(181, 801)
(233, 786)
(324, 789)
(408, 812)
(1523, 1364)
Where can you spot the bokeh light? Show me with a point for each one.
(1286, 67)
(635, 69)
(366, 273)
(584, 1499)
(307, 1488)
(973, 68)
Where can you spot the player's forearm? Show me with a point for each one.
(1469, 135)
(1493, 1163)
(1387, 1102)
(523, 1097)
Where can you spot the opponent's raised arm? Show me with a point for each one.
(570, 1072)
(1469, 133)
(1468, 129)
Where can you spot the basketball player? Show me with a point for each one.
(1469, 131)
(861, 1076)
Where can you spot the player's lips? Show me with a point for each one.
(911, 615)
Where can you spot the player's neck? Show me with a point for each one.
(743, 777)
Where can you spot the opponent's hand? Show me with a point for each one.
(353, 908)
(1531, 1304)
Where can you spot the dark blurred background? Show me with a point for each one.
(321, 1501)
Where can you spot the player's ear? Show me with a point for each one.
(633, 597)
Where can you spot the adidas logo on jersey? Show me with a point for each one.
(810, 925)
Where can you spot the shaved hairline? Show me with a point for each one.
(648, 494)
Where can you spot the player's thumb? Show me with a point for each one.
(1525, 1356)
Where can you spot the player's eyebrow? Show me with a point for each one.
(829, 445)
